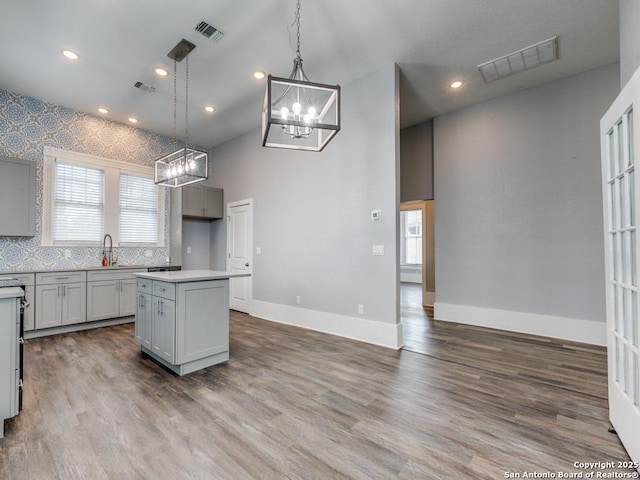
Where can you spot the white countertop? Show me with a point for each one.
(182, 276)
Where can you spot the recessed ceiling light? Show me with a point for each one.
(258, 75)
(133, 119)
(161, 72)
(103, 110)
(70, 54)
(209, 109)
(456, 84)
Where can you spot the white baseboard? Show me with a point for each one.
(565, 328)
(370, 331)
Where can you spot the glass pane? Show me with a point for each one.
(615, 205)
(632, 258)
(618, 360)
(624, 263)
(631, 197)
(636, 399)
(624, 212)
(633, 317)
(628, 314)
(617, 309)
(628, 372)
(616, 256)
(630, 123)
(620, 166)
(611, 159)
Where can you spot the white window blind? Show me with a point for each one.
(138, 210)
(79, 204)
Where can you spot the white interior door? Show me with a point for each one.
(620, 141)
(239, 253)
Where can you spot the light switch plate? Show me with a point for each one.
(376, 214)
(378, 249)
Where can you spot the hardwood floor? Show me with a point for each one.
(297, 404)
(574, 366)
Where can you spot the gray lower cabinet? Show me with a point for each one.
(186, 324)
(144, 313)
(61, 299)
(111, 294)
(202, 202)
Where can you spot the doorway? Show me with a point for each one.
(240, 253)
(417, 272)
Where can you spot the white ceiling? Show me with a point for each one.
(433, 42)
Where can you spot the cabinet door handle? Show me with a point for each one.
(58, 290)
(64, 290)
(62, 278)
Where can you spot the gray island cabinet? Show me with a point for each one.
(182, 318)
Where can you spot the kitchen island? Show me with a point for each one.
(182, 317)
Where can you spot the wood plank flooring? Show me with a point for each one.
(564, 364)
(297, 404)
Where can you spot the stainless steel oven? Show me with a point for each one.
(13, 282)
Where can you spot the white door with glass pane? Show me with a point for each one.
(619, 133)
(239, 253)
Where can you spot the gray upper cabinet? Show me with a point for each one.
(17, 197)
(202, 202)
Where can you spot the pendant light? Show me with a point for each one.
(299, 114)
(185, 165)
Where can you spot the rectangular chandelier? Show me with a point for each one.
(299, 115)
(182, 167)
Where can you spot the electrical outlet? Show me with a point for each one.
(360, 309)
(298, 299)
(188, 250)
(67, 254)
(258, 250)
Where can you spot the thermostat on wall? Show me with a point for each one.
(375, 215)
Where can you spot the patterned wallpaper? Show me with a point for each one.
(27, 125)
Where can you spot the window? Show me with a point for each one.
(87, 197)
(411, 223)
(138, 209)
(79, 203)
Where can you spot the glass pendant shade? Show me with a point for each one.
(182, 167)
(298, 114)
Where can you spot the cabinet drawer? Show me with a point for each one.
(123, 274)
(144, 286)
(164, 289)
(26, 278)
(50, 278)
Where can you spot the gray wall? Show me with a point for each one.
(195, 235)
(416, 162)
(629, 39)
(312, 210)
(518, 199)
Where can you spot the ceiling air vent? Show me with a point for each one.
(516, 62)
(209, 31)
(144, 88)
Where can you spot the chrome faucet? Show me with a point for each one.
(107, 253)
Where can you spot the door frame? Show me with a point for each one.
(622, 353)
(229, 206)
(428, 252)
